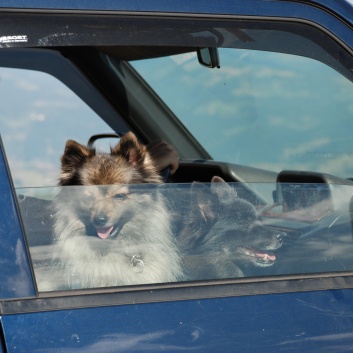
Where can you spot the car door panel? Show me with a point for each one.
(307, 321)
(297, 312)
(15, 275)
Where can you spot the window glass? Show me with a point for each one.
(38, 115)
(264, 109)
(278, 101)
(103, 236)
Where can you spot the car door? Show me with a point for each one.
(274, 122)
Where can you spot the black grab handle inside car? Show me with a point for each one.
(96, 137)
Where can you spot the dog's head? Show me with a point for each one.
(232, 224)
(103, 199)
(127, 163)
(106, 210)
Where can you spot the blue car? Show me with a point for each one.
(256, 98)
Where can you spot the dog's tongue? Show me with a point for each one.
(265, 255)
(104, 232)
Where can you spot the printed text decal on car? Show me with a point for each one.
(13, 39)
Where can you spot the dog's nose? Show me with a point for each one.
(100, 220)
(281, 235)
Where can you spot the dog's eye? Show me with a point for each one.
(120, 197)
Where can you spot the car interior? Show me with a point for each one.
(107, 80)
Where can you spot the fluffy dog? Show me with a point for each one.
(111, 227)
(224, 237)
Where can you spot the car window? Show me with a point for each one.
(274, 111)
(280, 99)
(43, 109)
(183, 232)
(39, 115)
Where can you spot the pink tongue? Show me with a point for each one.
(265, 255)
(104, 232)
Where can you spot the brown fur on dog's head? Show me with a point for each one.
(128, 163)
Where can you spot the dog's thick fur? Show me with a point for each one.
(109, 232)
(224, 237)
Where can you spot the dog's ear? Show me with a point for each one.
(217, 179)
(222, 189)
(75, 153)
(74, 156)
(131, 149)
(205, 205)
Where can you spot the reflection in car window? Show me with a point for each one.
(103, 236)
(271, 105)
(268, 110)
(39, 113)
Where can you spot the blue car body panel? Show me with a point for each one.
(15, 276)
(254, 6)
(310, 321)
(293, 322)
(296, 9)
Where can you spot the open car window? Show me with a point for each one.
(105, 236)
(280, 99)
(263, 109)
(43, 109)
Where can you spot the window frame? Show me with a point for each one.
(168, 292)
